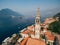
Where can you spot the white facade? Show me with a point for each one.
(32, 35)
(20, 39)
(37, 25)
(29, 28)
(24, 35)
(6, 41)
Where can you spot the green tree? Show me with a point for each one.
(55, 27)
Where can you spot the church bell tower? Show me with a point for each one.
(37, 24)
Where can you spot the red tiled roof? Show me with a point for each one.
(45, 29)
(32, 41)
(32, 32)
(25, 32)
(47, 33)
(31, 27)
(24, 41)
(28, 32)
(49, 36)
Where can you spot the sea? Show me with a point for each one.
(8, 31)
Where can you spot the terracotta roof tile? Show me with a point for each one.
(31, 27)
(32, 41)
(47, 33)
(28, 32)
(32, 32)
(45, 29)
(49, 36)
(24, 41)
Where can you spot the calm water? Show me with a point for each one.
(8, 31)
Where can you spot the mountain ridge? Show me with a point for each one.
(8, 11)
(8, 17)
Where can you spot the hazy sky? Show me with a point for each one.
(24, 6)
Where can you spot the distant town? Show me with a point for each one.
(36, 34)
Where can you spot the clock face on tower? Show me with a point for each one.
(37, 21)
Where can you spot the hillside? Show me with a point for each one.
(55, 26)
(57, 15)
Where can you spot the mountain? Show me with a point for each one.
(9, 12)
(9, 17)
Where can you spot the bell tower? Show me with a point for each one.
(37, 24)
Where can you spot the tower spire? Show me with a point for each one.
(38, 12)
(37, 20)
(37, 24)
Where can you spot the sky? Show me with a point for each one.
(24, 6)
